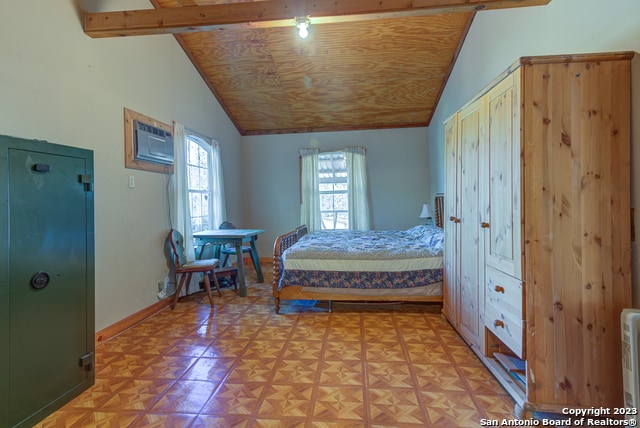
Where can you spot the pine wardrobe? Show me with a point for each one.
(538, 228)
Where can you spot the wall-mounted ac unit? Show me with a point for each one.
(630, 320)
(152, 144)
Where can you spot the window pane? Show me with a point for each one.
(204, 179)
(342, 221)
(341, 186)
(328, 220)
(326, 202)
(198, 183)
(202, 158)
(332, 175)
(340, 202)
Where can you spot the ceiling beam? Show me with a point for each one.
(273, 13)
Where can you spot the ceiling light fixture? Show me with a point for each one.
(302, 24)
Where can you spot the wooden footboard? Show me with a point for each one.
(281, 244)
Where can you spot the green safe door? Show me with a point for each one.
(49, 261)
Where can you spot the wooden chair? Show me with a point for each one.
(223, 273)
(186, 269)
(228, 250)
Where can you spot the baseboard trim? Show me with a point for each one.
(131, 320)
(122, 325)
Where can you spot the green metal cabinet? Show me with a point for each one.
(46, 278)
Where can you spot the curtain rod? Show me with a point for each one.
(336, 151)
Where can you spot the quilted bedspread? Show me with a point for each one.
(365, 259)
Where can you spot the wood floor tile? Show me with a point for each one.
(211, 369)
(384, 352)
(438, 378)
(451, 409)
(235, 399)
(137, 394)
(226, 348)
(343, 351)
(287, 400)
(241, 365)
(252, 370)
(185, 396)
(394, 406)
(341, 373)
(305, 332)
(303, 349)
(296, 371)
(339, 403)
(208, 421)
(389, 374)
(160, 420)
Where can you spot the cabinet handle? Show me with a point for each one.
(484, 225)
(457, 220)
(499, 289)
(452, 218)
(498, 323)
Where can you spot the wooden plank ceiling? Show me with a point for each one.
(358, 69)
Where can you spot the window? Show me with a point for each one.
(198, 179)
(334, 190)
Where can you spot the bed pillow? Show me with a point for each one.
(433, 236)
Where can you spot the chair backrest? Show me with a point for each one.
(177, 248)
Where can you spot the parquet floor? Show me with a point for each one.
(242, 365)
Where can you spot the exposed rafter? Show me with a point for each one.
(273, 13)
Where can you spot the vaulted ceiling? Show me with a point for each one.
(365, 64)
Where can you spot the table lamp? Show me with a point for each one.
(426, 213)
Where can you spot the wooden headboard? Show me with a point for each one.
(439, 202)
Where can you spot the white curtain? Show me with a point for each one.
(216, 184)
(310, 191)
(181, 196)
(357, 184)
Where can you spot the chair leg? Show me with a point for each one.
(225, 257)
(207, 287)
(215, 282)
(179, 289)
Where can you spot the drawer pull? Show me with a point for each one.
(484, 225)
(499, 289)
(498, 323)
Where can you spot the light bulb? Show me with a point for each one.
(303, 31)
(302, 24)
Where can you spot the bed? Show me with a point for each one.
(365, 266)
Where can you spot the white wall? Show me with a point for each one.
(57, 84)
(498, 38)
(397, 164)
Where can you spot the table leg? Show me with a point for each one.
(242, 288)
(256, 260)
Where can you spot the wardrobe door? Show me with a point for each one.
(501, 221)
(450, 305)
(469, 125)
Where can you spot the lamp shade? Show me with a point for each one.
(426, 211)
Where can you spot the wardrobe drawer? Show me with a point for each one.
(505, 326)
(504, 292)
